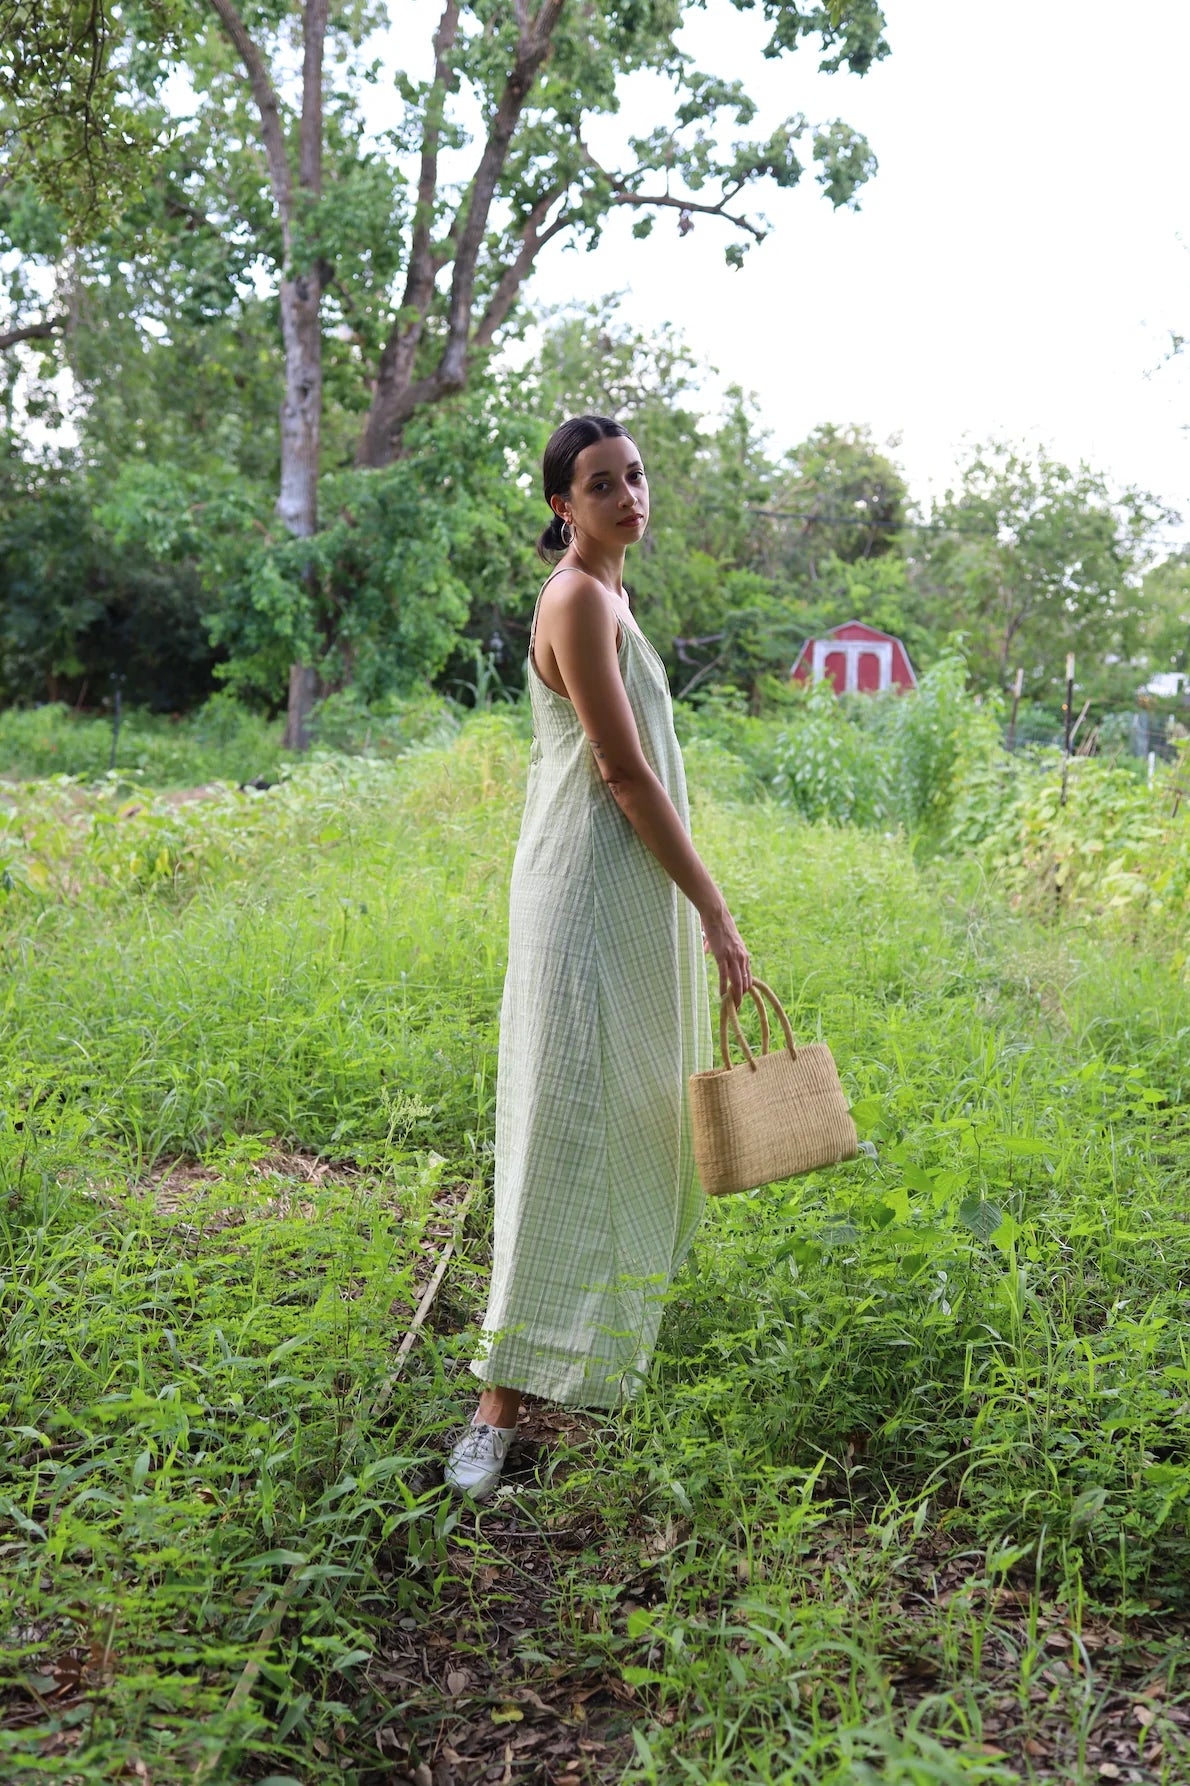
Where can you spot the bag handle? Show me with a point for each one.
(729, 1010)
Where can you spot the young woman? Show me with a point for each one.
(605, 1002)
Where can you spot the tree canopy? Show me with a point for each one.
(194, 165)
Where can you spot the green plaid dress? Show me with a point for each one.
(604, 1017)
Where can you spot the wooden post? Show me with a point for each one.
(117, 706)
(1068, 714)
(1010, 741)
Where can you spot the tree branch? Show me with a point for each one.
(310, 137)
(400, 349)
(32, 331)
(533, 240)
(532, 49)
(397, 397)
(269, 107)
(621, 196)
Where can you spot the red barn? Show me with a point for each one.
(858, 660)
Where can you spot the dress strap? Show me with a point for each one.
(537, 603)
(537, 607)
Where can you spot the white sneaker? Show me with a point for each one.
(474, 1466)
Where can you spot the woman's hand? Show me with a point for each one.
(721, 939)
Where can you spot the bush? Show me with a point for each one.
(1116, 845)
(384, 728)
(888, 760)
(830, 767)
(222, 741)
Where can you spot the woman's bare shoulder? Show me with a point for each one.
(574, 598)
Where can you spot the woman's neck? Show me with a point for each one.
(605, 564)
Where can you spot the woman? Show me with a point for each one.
(605, 1002)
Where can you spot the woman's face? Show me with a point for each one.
(608, 500)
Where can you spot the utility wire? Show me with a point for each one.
(902, 526)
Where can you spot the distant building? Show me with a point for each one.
(1167, 685)
(857, 659)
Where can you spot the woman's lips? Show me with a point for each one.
(631, 521)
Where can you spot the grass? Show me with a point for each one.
(905, 1495)
(220, 741)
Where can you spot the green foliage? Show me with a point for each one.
(934, 737)
(928, 1410)
(1096, 837)
(65, 95)
(831, 768)
(887, 760)
(1167, 610)
(844, 500)
(220, 741)
(1033, 560)
(75, 610)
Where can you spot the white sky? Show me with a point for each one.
(1017, 265)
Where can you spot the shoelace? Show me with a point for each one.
(474, 1442)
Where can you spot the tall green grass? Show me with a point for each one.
(965, 1354)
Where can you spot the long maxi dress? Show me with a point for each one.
(604, 1016)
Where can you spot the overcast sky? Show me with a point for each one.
(1017, 264)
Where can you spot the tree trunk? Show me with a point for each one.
(301, 300)
(297, 503)
(301, 322)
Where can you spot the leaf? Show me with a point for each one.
(269, 1559)
(1087, 1508)
(351, 1659)
(867, 1112)
(981, 1217)
(838, 1231)
(1007, 1234)
(642, 1620)
(507, 1714)
(803, 1253)
(946, 1184)
(1023, 1144)
(897, 1204)
(641, 1677)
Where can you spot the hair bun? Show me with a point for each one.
(552, 542)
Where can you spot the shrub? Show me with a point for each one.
(891, 759)
(1117, 844)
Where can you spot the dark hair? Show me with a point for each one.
(557, 468)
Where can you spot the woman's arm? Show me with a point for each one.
(582, 638)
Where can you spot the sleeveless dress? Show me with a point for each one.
(604, 1017)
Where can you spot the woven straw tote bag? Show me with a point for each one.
(770, 1118)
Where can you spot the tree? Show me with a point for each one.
(841, 499)
(1033, 560)
(1166, 622)
(415, 296)
(76, 611)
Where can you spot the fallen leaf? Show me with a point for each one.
(1144, 1714)
(457, 1680)
(506, 1714)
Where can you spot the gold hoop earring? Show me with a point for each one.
(568, 538)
